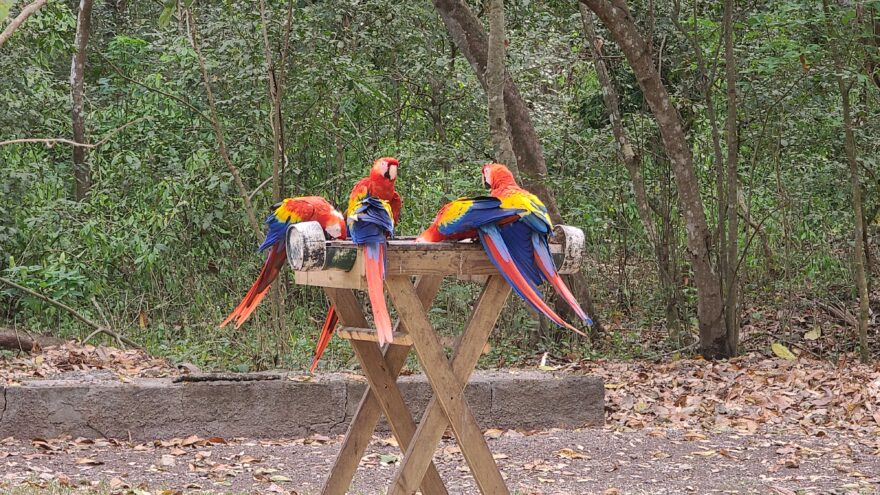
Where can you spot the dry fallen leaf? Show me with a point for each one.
(387, 459)
(493, 433)
(190, 440)
(706, 453)
(782, 351)
(86, 461)
(570, 454)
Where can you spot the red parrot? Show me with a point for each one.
(283, 214)
(373, 211)
(514, 228)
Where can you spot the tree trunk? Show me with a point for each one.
(713, 342)
(503, 150)
(731, 287)
(859, 248)
(81, 174)
(436, 112)
(275, 121)
(469, 36)
(861, 278)
(633, 163)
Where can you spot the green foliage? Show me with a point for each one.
(162, 243)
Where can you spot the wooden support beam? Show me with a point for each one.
(360, 430)
(448, 389)
(464, 358)
(370, 335)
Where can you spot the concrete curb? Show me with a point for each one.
(148, 409)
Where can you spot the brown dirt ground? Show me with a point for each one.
(552, 462)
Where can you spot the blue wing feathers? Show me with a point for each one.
(492, 233)
(370, 225)
(518, 238)
(482, 210)
(275, 233)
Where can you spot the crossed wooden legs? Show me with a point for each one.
(387, 400)
(448, 380)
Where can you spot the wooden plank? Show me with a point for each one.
(369, 335)
(448, 389)
(360, 430)
(345, 262)
(464, 358)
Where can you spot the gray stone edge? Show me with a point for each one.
(150, 409)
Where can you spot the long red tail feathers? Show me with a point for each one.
(522, 286)
(274, 262)
(562, 289)
(326, 333)
(374, 269)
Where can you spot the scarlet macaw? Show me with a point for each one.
(288, 211)
(514, 228)
(373, 211)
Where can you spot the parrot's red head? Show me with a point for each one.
(496, 176)
(336, 225)
(384, 169)
(383, 173)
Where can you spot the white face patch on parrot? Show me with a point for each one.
(383, 167)
(335, 228)
(487, 176)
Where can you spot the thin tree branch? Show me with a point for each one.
(154, 90)
(19, 20)
(51, 141)
(218, 128)
(260, 187)
(76, 314)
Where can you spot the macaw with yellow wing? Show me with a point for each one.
(373, 211)
(283, 214)
(514, 228)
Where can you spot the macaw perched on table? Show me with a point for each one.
(514, 228)
(283, 214)
(373, 211)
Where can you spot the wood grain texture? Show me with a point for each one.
(360, 430)
(370, 335)
(420, 452)
(448, 389)
(343, 261)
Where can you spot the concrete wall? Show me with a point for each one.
(148, 409)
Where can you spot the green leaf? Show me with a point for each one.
(387, 459)
(165, 16)
(5, 5)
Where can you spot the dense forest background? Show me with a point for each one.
(193, 107)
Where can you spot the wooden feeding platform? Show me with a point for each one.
(414, 272)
